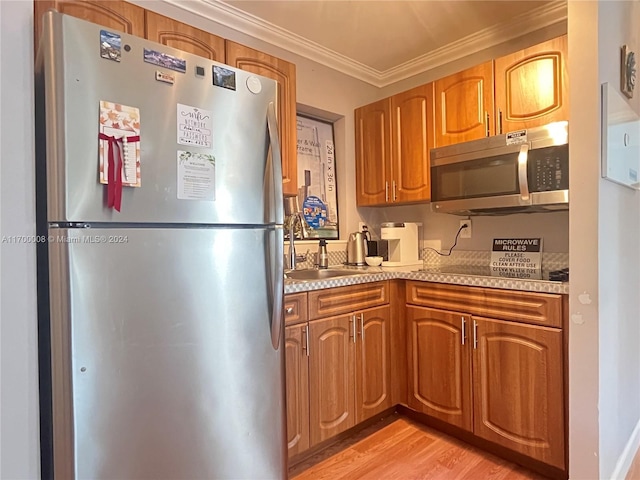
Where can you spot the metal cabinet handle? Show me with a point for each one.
(486, 114)
(386, 191)
(362, 326)
(475, 335)
(306, 338)
(463, 334)
(395, 196)
(352, 321)
(499, 121)
(288, 310)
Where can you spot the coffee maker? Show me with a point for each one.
(402, 239)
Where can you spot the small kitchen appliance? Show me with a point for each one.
(356, 249)
(402, 239)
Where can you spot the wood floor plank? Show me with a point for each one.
(407, 450)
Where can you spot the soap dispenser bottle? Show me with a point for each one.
(323, 256)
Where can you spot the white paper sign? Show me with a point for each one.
(517, 257)
(517, 137)
(196, 176)
(195, 126)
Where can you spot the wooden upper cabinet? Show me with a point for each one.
(115, 14)
(183, 37)
(518, 388)
(284, 72)
(411, 140)
(531, 86)
(373, 153)
(464, 105)
(440, 365)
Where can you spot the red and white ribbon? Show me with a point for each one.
(114, 168)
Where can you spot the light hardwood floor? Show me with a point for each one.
(406, 450)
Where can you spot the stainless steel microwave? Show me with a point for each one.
(522, 171)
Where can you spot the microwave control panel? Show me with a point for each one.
(548, 169)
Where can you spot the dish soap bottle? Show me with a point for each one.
(323, 256)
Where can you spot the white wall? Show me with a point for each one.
(619, 263)
(19, 428)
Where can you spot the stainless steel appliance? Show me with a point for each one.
(161, 340)
(524, 171)
(403, 244)
(356, 249)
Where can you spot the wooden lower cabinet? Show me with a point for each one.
(440, 365)
(373, 363)
(331, 376)
(518, 388)
(297, 386)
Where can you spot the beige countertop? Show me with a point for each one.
(375, 274)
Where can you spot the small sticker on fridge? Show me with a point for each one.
(196, 176)
(195, 126)
(110, 44)
(165, 60)
(122, 124)
(223, 77)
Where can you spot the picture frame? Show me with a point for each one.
(628, 67)
(317, 182)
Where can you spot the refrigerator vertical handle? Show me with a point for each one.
(276, 296)
(275, 202)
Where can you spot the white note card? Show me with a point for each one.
(196, 176)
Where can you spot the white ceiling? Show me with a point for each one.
(382, 42)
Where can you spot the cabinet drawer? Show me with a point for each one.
(525, 307)
(295, 308)
(341, 300)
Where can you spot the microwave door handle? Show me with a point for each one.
(522, 174)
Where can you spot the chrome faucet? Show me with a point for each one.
(293, 258)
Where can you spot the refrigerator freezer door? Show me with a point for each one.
(77, 79)
(165, 337)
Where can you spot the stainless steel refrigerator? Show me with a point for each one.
(161, 340)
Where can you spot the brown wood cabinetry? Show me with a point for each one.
(172, 33)
(440, 365)
(464, 105)
(502, 380)
(531, 86)
(297, 386)
(115, 14)
(284, 73)
(349, 357)
(518, 388)
(393, 138)
(373, 153)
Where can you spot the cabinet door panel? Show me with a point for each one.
(373, 152)
(464, 105)
(115, 14)
(331, 380)
(440, 365)
(518, 388)
(412, 138)
(373, 363)
(532, 86)
(297, 386)
(284, 73)
(172, 33)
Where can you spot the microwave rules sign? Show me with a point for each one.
(517, 257)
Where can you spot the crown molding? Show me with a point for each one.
(236, 19)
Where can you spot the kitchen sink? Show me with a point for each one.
(318, 274)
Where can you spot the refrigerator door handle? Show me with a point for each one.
(275, 200)
(277, 284)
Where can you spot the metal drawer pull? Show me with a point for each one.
(464, 333)
(288, 310)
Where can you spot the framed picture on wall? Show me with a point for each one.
(317, 186)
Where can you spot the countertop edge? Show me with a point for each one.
(376, 274)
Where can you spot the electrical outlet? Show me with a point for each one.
(466, 232)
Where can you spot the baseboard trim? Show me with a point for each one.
(628, 454)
